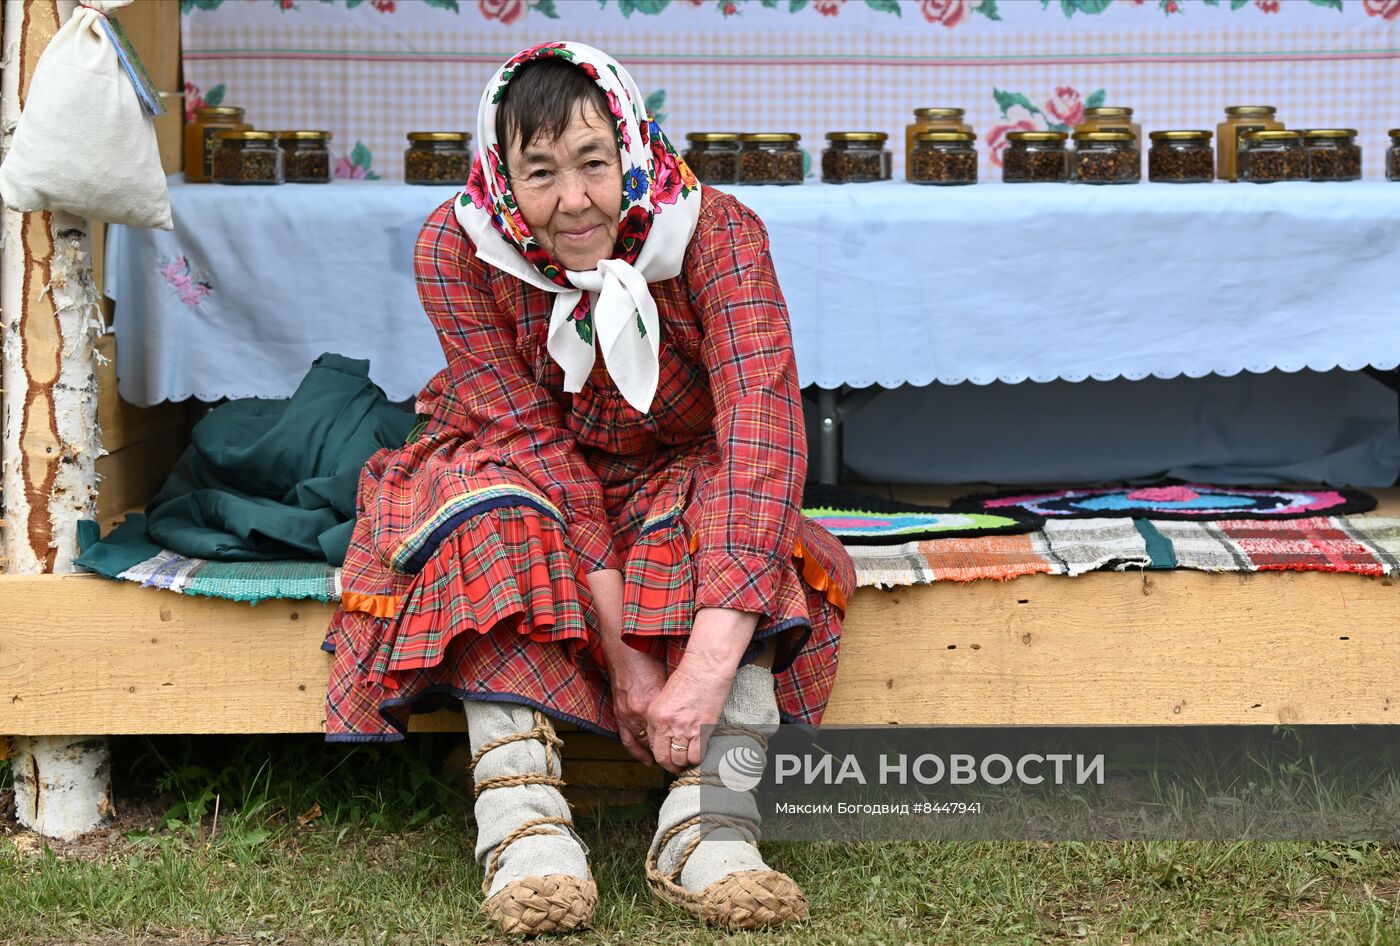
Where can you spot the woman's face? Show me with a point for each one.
(569, 189)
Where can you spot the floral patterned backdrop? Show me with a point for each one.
(373, 70)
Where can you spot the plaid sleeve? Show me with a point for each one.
(750, 522)
(495, 396)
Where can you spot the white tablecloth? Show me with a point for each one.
(886, 283)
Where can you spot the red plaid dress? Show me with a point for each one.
(466, 576)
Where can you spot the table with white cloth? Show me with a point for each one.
(1260, 292)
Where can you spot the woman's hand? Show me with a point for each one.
(636, 681)
(635, 678)
(694, 695)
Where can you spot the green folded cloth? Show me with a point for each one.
(277, 479)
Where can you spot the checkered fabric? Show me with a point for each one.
(377, 71)
(466, 571)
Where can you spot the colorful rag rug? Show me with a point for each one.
(1357, 545)
(1175, 501)
(128, 554)
(858, 518)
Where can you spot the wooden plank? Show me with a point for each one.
(154, 31)
(1116, 649)
(131, 476)
(80, 654)
(124, 424)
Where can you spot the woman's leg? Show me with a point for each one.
(704, 855)
(537, 877)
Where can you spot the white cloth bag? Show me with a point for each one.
(83, 143)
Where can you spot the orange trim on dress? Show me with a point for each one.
(812, 573)
(380, 606)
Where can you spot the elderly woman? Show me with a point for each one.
(617, 543)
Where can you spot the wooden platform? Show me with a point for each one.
(84, 655)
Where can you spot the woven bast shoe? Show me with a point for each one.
(704, 857)
(536, 899)
(746, 899)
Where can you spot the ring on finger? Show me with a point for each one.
(676, 748)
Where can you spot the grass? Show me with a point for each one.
(382, 855)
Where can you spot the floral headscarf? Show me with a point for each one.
(660, 206)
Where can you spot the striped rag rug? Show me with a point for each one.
(237, 581)
(1359, 545)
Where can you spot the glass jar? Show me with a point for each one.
(1271, 155)
(770, 158)
(199, 138)
(1035, 157)
(1180, 157)
(855, 157)
(1240, 119)
(306, 156)
(931, 119)
(437, 157)
(944, 157)
(1333, 154)
(1106, 157)
(713, 156)
(1111, 118)
(247, 157)
(1392, 156)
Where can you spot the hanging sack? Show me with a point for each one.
(84, 143)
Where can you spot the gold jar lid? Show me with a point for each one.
(1104, 135)
(945, 135)
(439, 136)
(1037, 136)
(1394, 133)
(711, 136)
(303, 136)
(939, 112)
(856, 136)
(1184, 135)
(1252, 110)
(1273, 134)
(219, 111)
(1108, 111)
(771, 136)
(245, 135)
(1330, 133)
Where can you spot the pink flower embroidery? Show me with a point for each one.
(1066, 106)
(507, 11)
(180, 276)
(347, 169)
(948, 12)
(827, 7)
(1268, 6)
(1019, 118)
(383, 6)
(286, 4)
(1389, 9)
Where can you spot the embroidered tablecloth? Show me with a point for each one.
(887, 283)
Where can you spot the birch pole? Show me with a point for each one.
(49, 320)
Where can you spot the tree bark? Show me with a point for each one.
(49, 320)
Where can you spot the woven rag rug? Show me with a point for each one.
(1359, 545)
(1356, 544)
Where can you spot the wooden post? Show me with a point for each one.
(49, 319)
